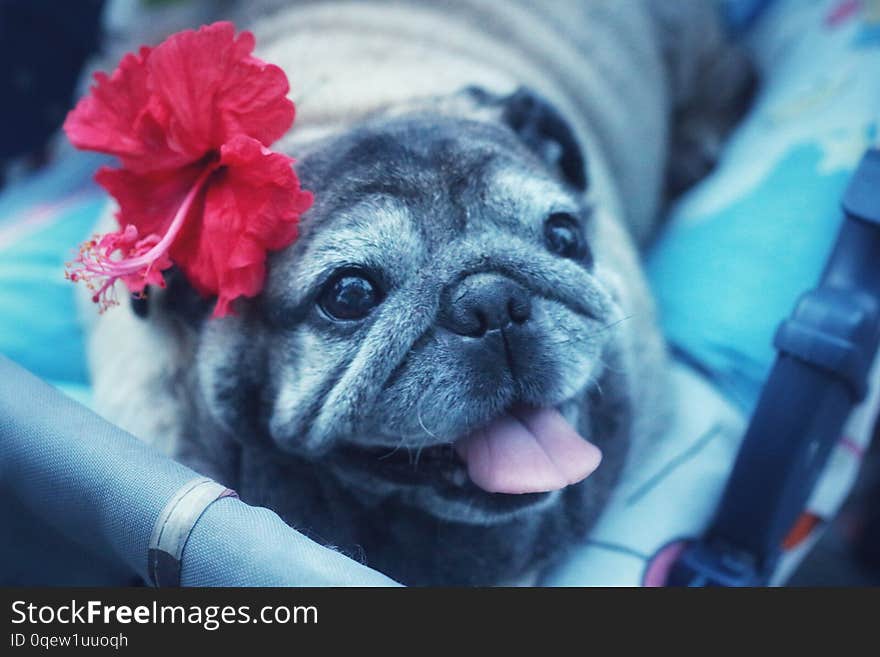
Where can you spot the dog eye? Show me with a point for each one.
(349, 295)
(563, 236)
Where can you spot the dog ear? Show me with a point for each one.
(140, 305)
(178, 299)
(541, 127)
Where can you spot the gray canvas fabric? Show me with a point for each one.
(81, 499)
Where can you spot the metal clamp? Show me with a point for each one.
(174, 526)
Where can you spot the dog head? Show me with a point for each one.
(442, 315)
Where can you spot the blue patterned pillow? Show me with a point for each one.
(743, 245)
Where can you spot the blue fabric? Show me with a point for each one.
(42, 221)
(739, 14)
(744, 244)
(81, 497)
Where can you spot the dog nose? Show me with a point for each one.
(480, 303)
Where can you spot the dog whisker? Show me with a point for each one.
(415, 462)
(400, 443)
(422, 422)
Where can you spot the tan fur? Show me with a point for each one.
(614, 68)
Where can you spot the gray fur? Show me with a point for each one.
(345, 428)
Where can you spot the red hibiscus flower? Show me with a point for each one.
(190, 121)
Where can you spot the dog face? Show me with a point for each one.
(444, 282)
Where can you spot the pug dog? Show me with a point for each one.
(434, 367)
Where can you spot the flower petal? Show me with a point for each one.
(253, 101)
(148, 201)
(115, 117)
(252, 205)
(214, 89)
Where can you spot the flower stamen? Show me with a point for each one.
(142, 261)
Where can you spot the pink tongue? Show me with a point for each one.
(528, 451)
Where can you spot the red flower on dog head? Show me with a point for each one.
(190, 121)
